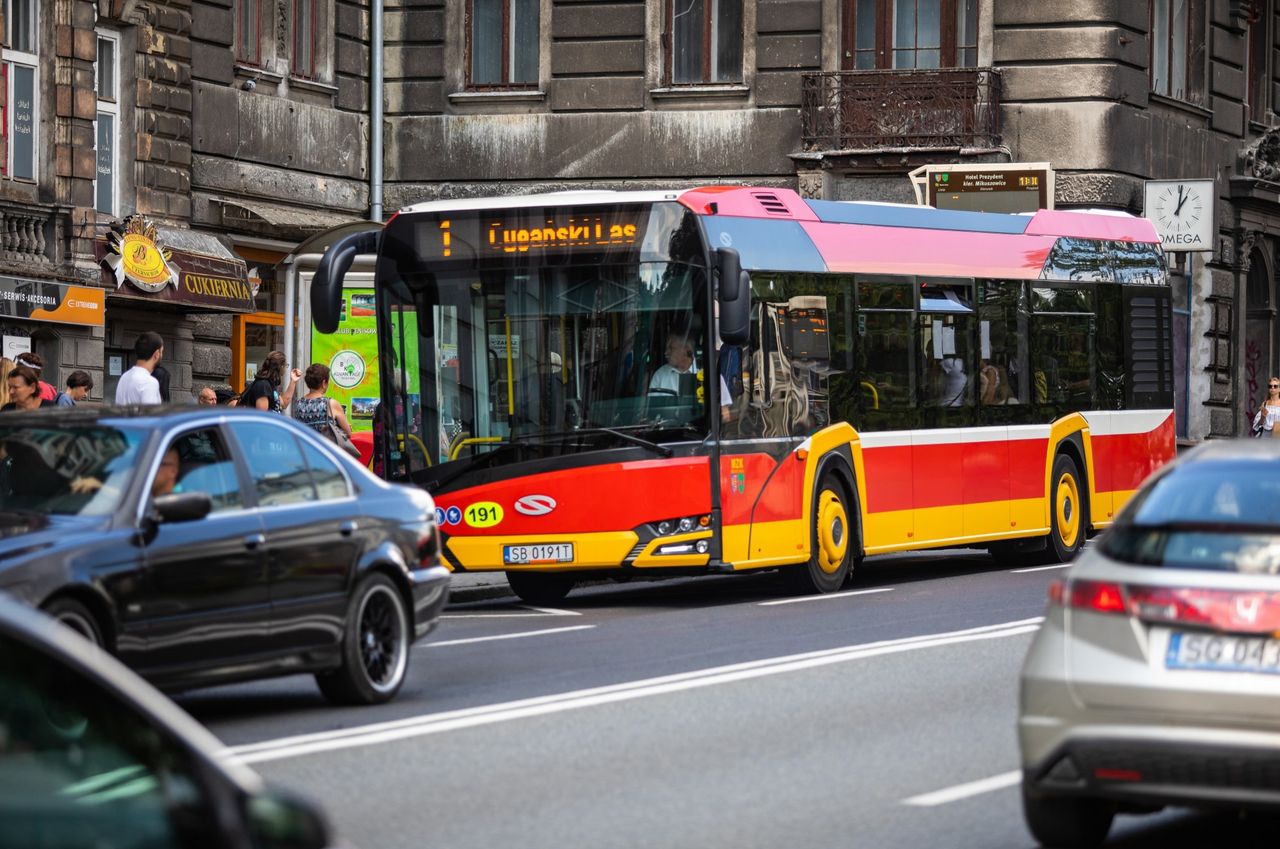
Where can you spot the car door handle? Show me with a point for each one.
(347, 528)
(252, 541)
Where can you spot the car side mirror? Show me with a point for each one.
(734, 296)
(275, 821)
(182, 506)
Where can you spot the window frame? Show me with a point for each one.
(311, 70)
(1222, 355)
(882, 52)
(240, 43)
(709, 42)
(10, 58)
(107, 106)
(507, 49)
(1193, 48)
(1256, 64)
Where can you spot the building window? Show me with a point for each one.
(248, 33)
(1256, 62)
(306, 38)
(909, 34)
(502, 42)
(1177, 49)
(107, 129)
(20, 63)
(705, 41)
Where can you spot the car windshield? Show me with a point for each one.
(1223, 516)
(69, 469)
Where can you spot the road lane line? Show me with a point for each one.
(399, 729)
(551, 611)
(1040, 568)
(431, 645)
(824, 596)
(964, 791)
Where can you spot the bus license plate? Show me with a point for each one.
(1223, 653)
(544, 552)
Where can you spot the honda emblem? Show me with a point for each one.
(535, 505)
(1247, 608)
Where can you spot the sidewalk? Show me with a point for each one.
(477, 586)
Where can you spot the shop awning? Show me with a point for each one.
(239, 210)
(148, 262)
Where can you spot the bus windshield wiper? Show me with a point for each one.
(656, 447)
(478, 461)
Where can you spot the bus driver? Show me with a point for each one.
(666, 380)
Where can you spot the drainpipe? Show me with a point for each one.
(375, 114)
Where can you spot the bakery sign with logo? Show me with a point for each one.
(140, 263)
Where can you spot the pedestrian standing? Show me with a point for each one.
(268, 392)
(207, 396)
(1264, 422)
(315, 409)
(138, 385)
(78, 385)
(6, 365)
(35, 362)
(161, 374)
(24, 390)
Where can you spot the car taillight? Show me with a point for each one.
(1247, 611)
(1098, 596)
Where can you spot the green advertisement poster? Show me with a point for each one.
(351, 353)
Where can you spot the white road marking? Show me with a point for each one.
(536, 612)
(1039, 568)
(964, 791)
(508, 636)
(824, 596)
(416, 726)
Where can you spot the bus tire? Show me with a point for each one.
(830, 541)
(540, 587)
(1068, 512)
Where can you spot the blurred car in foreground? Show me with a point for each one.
(92, 756)
(1155, 678)
(203, 545)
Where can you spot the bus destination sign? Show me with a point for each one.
(993, 190)
(523, 235)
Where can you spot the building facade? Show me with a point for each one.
(241, 128)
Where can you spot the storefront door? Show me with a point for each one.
(252, 338)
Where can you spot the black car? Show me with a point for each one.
(206, 545)
(90, 755)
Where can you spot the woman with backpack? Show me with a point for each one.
(265, 391)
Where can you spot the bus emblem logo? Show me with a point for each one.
(535, 505)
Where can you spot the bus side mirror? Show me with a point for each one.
(326, 286)
(735, 298)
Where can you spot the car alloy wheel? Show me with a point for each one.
(375, 646)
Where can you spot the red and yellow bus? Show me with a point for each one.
(730, 379)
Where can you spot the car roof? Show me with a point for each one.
(1232, 450)
(142, 416)
(28, 626)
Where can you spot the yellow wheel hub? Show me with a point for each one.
(1067, 510)
(833, 532)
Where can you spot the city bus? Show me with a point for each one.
(731, 379)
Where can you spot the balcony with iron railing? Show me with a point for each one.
(945, 108)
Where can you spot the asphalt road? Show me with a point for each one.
(693, 712)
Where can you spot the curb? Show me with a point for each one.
(480, 592)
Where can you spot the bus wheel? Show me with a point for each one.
(540, 587)
(1069, 516)
(830, 558)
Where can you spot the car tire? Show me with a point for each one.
(77, 617)
(540, 587)
(1068, 511)
(830, 542)
(375, 646)
(1067, 822)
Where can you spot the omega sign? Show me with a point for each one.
(1182, 212)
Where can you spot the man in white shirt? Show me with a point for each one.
(137, 385)
(666, 380)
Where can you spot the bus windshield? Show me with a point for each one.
(549, 359)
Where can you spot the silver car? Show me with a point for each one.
(1155, 679)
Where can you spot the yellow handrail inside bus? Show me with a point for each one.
(421, 446)
(875, 396)
(511, 386)
(471, 440)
